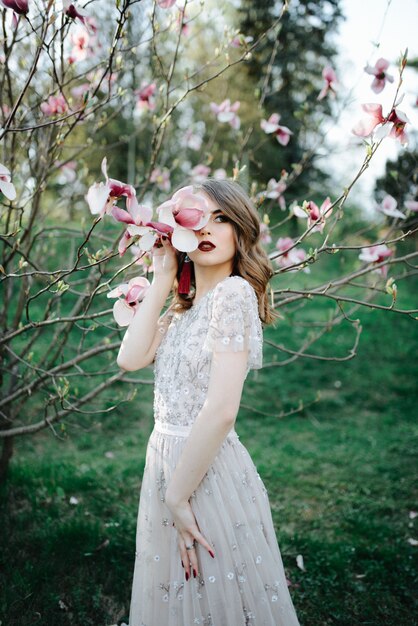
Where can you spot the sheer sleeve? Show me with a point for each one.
(235, 324)
(164, 321)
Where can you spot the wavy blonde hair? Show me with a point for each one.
(250, 260)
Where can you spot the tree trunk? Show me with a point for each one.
(6, 455)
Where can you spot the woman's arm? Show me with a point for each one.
(211, 426)
(142, 338)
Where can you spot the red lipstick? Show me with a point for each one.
(206, 246)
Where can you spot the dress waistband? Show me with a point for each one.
(176, 430)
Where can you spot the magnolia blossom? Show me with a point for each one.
(55, 105)
(379, 73)
(376, 254)
(77, 13)
(182, 25)
(314, 213)
(199, 173)
(145, 96)
(185, 212)
(138, 224)
(330, 79)
(388, 207)
(290, 256)
(393, 125)
(166, 4)
(129, 297)
(162, 178)
(192, 140)
(6, 186)
(240, 40)
(226, 112)
(220, 174)
(275, 189)
(81, 45)
(19, 6)
(102, 196)
(265, 236)
(68, 172)
(271, 126)
(412, 205)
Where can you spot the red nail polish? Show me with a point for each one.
(187, 576)
(182, 564)
(211, 553)
(194, 573)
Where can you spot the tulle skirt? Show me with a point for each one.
(245, 583)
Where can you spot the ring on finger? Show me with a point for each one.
(191, 547)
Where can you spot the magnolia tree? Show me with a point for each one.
(81, 86)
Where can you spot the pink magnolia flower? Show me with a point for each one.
(412, 205)
(145, 96)
(290, 256)
(275, 189)
(397, 121)
(166, 4)
(185, 212)
(240, 41)
(181, 22)
(80, 39)
(376, 254)
(68, 172)
(330, 79)
(265, 236)
(101, 197)
(192, 140)
(129, 295)
(314, 213)
(380, 75)
(55, 105)
(162, 178)
(19, 6)
(199, 173)
(220, 174)
(6, 186)
(272, 126)
(77, 13)
(388, 207)
(366, 126)
(392, 125)
(226, 112)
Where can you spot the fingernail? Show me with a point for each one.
(164, 237)
(187, 576)
(182, 564)
(194, 573)
(211, 553)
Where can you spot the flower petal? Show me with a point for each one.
(121, 215)
(123, 313)
(184, 239)
(8, 189)
(96, 198)
(147, 241)
(165, 213)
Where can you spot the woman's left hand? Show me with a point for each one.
(188, 532)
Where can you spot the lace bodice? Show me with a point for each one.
(225, 319)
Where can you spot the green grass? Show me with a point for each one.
(341, 477)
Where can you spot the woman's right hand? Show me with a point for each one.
(164, 259)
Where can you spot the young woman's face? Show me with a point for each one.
(219, 231)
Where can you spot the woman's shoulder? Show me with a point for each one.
(235, 284)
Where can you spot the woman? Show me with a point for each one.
(206, 550)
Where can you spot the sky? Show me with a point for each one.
(373, 29)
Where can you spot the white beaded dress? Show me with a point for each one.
(245, 583)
